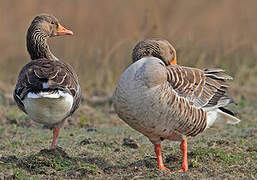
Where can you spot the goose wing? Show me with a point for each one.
(202, 88)
(45, 75)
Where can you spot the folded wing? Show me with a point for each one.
(202, 88)
(47, 76)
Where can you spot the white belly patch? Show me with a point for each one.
(48, 108)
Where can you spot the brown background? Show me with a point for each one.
(205, 33)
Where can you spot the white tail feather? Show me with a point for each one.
(56, 95)
(219, 118)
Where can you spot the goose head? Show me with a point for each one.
(49, 26)
(43, 27)
(158, 48)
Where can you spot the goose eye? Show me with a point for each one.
(52, 22)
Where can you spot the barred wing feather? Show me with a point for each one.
(202, 88)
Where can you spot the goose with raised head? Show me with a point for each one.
(163, 100)
(47, 89)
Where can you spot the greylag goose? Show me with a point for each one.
(163, 100)
(47, 89)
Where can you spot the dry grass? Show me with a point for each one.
(205, 34)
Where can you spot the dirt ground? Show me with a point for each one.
(94, 143)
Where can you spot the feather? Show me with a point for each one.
(41, 77)
(202, 88)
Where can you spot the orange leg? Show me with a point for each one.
(183, 147)
(158, 152)
(55, 135)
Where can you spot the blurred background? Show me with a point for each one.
(205, 34)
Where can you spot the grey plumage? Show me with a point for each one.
(45, 67)
(56, 74)
(47, 88)
(163, 100)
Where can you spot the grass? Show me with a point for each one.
(107, 148)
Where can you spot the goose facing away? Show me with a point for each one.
(47, 89)
(163, 100)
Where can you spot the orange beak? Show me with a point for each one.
(174, 62)
(63, 31)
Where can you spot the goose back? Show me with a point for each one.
(45, 75)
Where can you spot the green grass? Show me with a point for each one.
(88, 149)
(95, 143)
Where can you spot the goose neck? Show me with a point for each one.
(37, 44)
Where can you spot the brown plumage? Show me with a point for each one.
(47, 89)
(163, 100)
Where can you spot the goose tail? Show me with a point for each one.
(219, 117)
